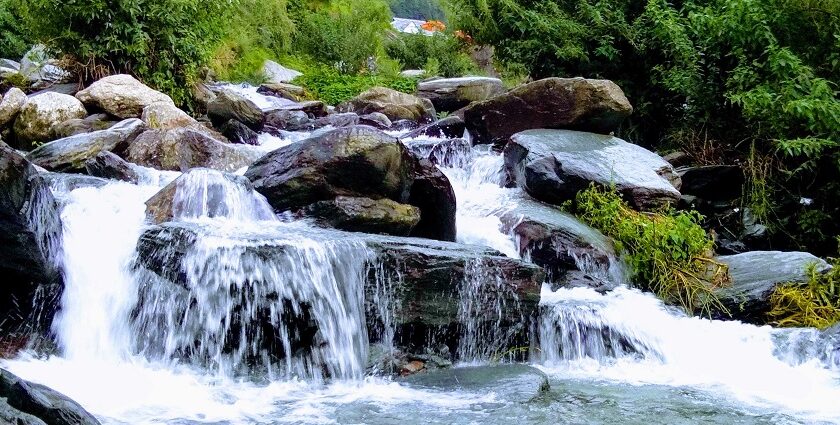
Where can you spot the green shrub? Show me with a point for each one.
(815, 303)
(668, 252)
(163, 42)
(14, 37)
(440, 54)
(329, 85)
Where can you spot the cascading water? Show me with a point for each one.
(226, 314)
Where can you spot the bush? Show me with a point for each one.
(815, 303)
(344, 34)
(441, 54)
(14, 37)
(332, 87)
(668, 253)
(163, 42)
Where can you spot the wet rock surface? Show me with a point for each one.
(29, 403)
(554, 165)
(71, 153)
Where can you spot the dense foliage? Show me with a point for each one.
(668, 253)
(815, 303)
(425, 10)
(728, 77)
(441, 54)
(162, 41)
(14, 39)
(345, 34)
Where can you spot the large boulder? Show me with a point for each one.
(11, 105)
(121, 96)
(278, 74)
(70, 153)
(432, 192)
(755, 275)
(554, 165)
(395, 105)
(597, 106)
(42, 113)
(166, 116)
(30, 234)
(29, 400)
(229, 105)
(354, 161)
(180, 149)
(366, 215)
(558, 242)
(451, 94)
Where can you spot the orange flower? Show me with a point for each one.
(433, 26)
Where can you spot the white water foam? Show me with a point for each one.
(726, 358)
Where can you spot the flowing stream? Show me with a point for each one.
(134, 350)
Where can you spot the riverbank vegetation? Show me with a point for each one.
(740, 75)
(171, 44)
(668, 252)
(813, 303)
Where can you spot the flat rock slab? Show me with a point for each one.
(554, 165)
(511, 382)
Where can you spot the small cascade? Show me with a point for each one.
(481, 311)
(574, 326)
(204, 193)
(287, 306)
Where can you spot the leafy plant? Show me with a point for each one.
(15, 39)
(164, 42)
(815, 303)
(668, 252)
(333, 87)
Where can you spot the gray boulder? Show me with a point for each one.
(38, 401)
(166, 116)
(756, 274)
(447, 128)
(108, 165)
(40, 115)
(121, 96)
(559, 242)
(71, 153)
(237, 132)
(88, 124)
(451, 94)
(376, 119)
(278, 74)
(180, 149)
(228, 105)
(11, 105)
(355, 161)
(30, 234)
(554, 165)
(366, 215)
(597, 106)
(393, 104)
(432, 192)
(515, 383)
